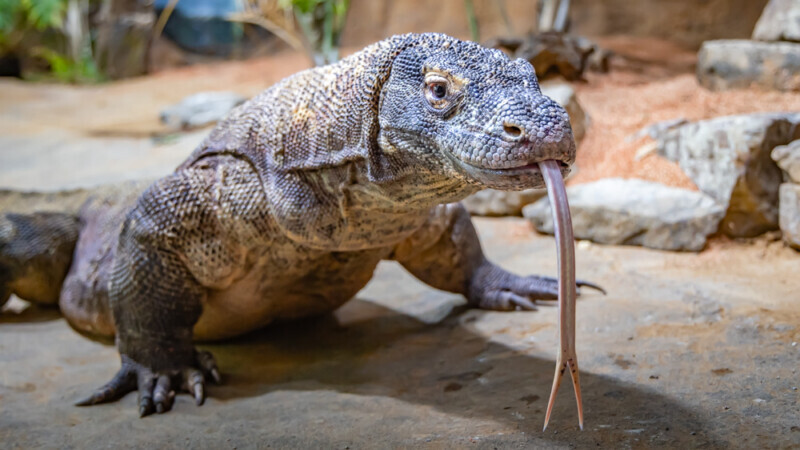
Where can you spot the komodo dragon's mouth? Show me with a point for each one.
(530, 168)
(526, 175)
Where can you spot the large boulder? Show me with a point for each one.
(728, 158)
(491, 202)
(780, 21)
(790, 214)
(730, 64)
(788, 158)
(635, 212)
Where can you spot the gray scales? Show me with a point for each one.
(285, 210)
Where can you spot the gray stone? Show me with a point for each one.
(728, 158)
(491, 202)
(635, 212)
(657, 130)
(788, 159)
(203, 108)
(780, 21)
(790, 214)
(731, 64)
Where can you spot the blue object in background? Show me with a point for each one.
(201, 26)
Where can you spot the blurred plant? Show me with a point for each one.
(472, 20)
(54, 31)
(66, 69)
(320, 24)
(18, 16)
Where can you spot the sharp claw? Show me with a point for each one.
(145, 406)
(581, 283)
(215, 376)
(161, 396)
(199, 395)
(524, 304)
(143, 410)
(88, 401)
(96, 397)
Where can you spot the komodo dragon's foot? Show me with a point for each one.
(157, 389)
(496, 289)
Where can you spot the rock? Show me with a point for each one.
(553, 53)
(564, 95)
(728, 158)
(730, 64)
(657, 130)
(635, 212)
(790, 214)
(200, 109)
(491, 202)
(780, 21)
(788, 159)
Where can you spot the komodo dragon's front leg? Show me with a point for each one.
(156, 299)
(446, 254)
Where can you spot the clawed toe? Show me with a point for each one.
(581, 283)
(122, 383)
(208, 365)
(157, 389)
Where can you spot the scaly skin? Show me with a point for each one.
(288, 206)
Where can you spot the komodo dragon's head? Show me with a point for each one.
(474, 113)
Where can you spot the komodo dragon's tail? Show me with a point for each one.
(39, 233)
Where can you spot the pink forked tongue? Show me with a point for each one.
(567, 359)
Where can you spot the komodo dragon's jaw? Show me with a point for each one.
(475, 114)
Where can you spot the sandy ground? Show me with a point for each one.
(687, 350)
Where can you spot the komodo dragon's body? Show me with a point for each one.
(288, 206)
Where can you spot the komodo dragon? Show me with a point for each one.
(285, 210)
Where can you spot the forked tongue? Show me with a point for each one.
(567, 360)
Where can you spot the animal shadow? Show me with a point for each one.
(368, 349)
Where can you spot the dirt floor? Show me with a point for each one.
(686, 350)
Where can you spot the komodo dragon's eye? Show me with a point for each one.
(439, 92)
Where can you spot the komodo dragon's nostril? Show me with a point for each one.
(512, 130)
